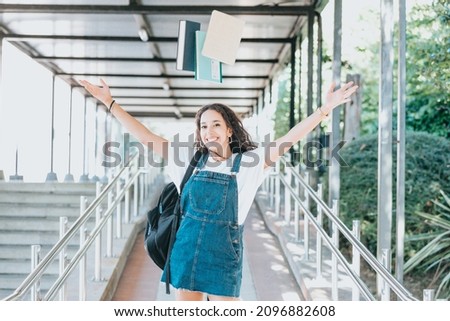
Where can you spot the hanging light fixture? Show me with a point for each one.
(143, 34)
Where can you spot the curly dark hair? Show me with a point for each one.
(240, 138)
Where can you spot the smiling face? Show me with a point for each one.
(215, 133)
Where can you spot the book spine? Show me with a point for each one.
(181, 45)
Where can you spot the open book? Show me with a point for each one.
(223, 37)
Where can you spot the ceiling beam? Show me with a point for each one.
(136, 59)
(156, 10)
(184, 97)
(155, 76)
(18, 37)
(161, 114)
(167, 114)
(179, 105)
(183, 88)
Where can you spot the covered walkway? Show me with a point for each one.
(54, 137)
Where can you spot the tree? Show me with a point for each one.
(428, 69)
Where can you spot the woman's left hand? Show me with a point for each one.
(336, 97)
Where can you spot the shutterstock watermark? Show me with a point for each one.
(313, 153)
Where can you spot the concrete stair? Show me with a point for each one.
(29, 215)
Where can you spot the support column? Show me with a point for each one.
(384, 222)
(51, 176)
(352, 111)
(309, 96)
(300, 41)
(69, 176)
(2, 174)
(104, 179)
(401, 132)
(292, 96)
(335, 170)
(309, 102)
(84, 177)
(318, 130)
(95, 178)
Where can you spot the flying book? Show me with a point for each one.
(186, 45)
(223, 37)
(205, 67)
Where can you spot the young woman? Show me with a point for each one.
(207, 255)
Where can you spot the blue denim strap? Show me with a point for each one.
(236, 164)
(234, 169)
(203, 161)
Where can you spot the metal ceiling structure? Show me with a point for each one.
(132, 45)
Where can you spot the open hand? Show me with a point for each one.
(102, 93)
(336, 97)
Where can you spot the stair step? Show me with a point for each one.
(44, 193)
(78, 188)
(27, 238)
(23, 252)
(39, 198)
(41, 224)
(40, 210)
(10, 282)
(24, 267)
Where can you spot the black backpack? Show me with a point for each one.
(163, 222)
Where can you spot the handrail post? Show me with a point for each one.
(82, 282)
(98, 240)
(386, 261)
(127, 196)
(428, 294)
(334, 262)
(306, 219)
(109, 227)
(118, 210)
(62, 257)
(271, 188)
(296, 213)
(356, 258)
(135, 198)
(148, 181)
(141, 189)
(318, 237)
(277, 190)
(35, 259)
(287, 196)
(265, 186)
(146, 176)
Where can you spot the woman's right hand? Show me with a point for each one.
(101, 93)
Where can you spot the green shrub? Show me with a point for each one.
(427, 172)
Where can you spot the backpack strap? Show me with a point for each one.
(176, 210)
(192, 165)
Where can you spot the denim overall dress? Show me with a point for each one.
(207, 253)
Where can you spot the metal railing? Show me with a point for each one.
(298, 189)
(108, 201)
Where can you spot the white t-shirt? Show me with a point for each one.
(251, 173)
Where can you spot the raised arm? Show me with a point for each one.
(136, 128)
(333, 99)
